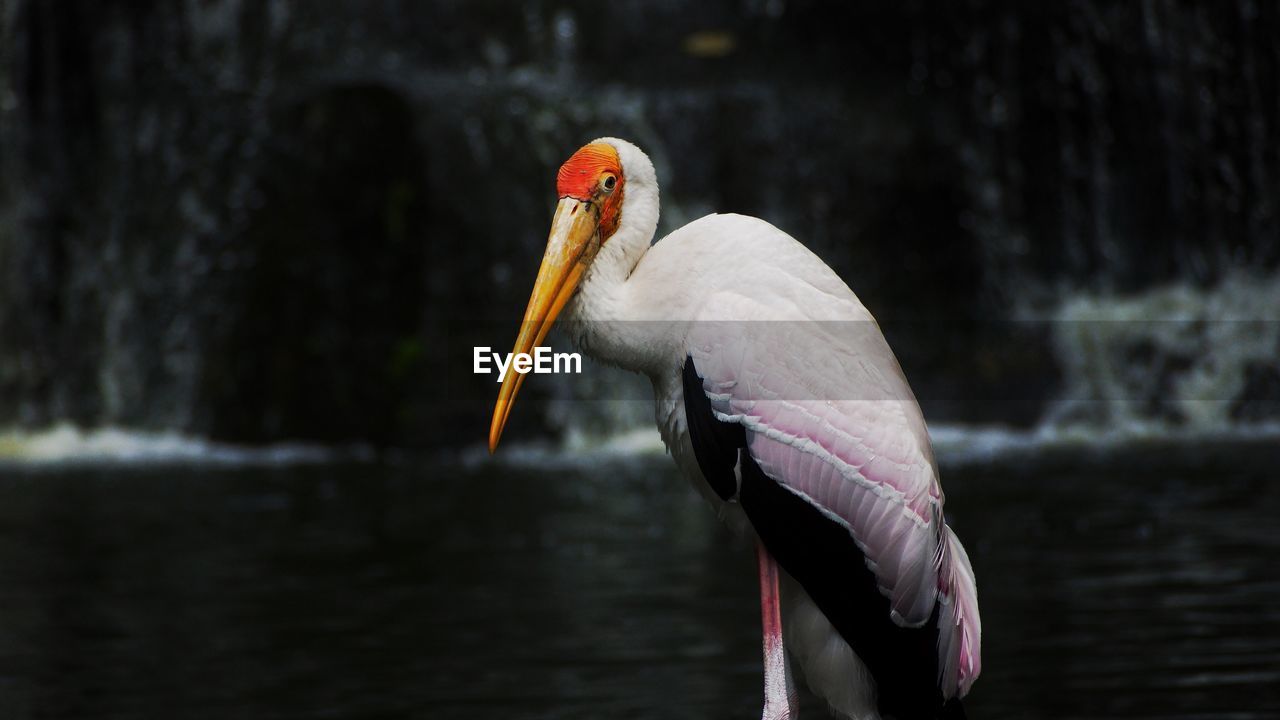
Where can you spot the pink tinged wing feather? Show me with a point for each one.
(959, 624)
(833, 419)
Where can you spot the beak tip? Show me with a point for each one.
(495, 431)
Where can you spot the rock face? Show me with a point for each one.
(267, 220)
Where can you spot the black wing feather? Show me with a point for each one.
(715, 443)
(821, 555)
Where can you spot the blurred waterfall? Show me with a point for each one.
(258, 221)
(1177, 356)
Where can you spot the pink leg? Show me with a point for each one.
(779, 692)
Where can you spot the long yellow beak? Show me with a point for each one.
(570, 249)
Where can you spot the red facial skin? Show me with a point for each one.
(582, 178)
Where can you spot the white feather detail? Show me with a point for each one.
(830, 667)
(959, 624)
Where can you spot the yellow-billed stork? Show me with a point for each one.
(779, 397)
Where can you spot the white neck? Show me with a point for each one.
(600, 318)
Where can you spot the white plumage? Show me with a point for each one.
(785, 350)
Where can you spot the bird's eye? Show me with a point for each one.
(609, 182)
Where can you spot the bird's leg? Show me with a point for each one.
(779, 691)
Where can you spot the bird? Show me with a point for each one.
(779, 398)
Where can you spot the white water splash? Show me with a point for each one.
(954, 445)
(65, 444)
(1173, 357)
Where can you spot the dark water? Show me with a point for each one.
(602, 590)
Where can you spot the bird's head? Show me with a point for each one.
(591, 186)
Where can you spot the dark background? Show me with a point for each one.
(258, 221)
(263, 221)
